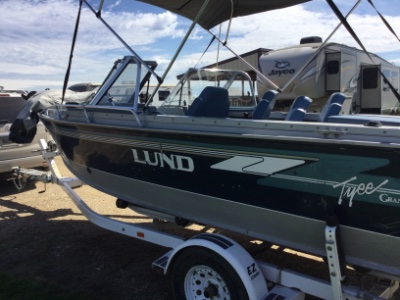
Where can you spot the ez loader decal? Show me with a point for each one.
(252, 271)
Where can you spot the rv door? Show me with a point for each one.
(389, 102)
(370, 89)
(340, 72)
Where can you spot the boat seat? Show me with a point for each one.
(298, 109)
(332, 110)
(265, 106)
(336, 98)
(212, 102)
(332, 107)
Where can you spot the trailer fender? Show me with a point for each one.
(239, 259)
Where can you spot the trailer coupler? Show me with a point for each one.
(22, 176)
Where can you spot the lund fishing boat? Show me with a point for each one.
(210, 154)
(275, 180)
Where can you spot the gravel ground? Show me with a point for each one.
(44, 236)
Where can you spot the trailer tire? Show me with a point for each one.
(199, 273)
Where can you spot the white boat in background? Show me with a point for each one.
(11, 93)
(17, 155)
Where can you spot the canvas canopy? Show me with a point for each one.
(218, 11)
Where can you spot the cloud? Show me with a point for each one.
(114, 5)
(266, 30)
(36, 41)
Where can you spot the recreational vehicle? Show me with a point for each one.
(330, 68)
(159, 97)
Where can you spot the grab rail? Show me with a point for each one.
(85, 110)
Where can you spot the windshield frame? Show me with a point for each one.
(133, 87)
(184, 93)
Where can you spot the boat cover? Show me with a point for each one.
(23, 129)
(219, 11)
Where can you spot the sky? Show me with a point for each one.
(36, 36)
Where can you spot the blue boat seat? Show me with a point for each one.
(265, 106)
(331, 110)
(298, 109)
(332, 107)
(212, 102)
(337, 98)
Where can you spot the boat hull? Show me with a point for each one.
(279, 190)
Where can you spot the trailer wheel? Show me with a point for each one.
(199, 273)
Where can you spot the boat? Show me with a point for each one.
(211, 154)
(25, 120)
(17, 155)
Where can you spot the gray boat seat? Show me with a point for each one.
(298, 109)
(265, 106)
(212, 102)
(332, 107)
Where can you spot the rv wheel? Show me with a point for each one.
(199, 273)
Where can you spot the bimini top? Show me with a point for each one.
(220, 11)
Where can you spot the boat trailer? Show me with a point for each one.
(213, 265)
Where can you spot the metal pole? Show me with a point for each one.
(201, 11)
(316, 53)
(123, 42)
(248, 64)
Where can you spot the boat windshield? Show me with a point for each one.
(238, 84)
(120, 87)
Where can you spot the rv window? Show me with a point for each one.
(333, 67)
(370, 78)
(162, 95)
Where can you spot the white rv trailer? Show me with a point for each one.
(334, 68)
(158, 99)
